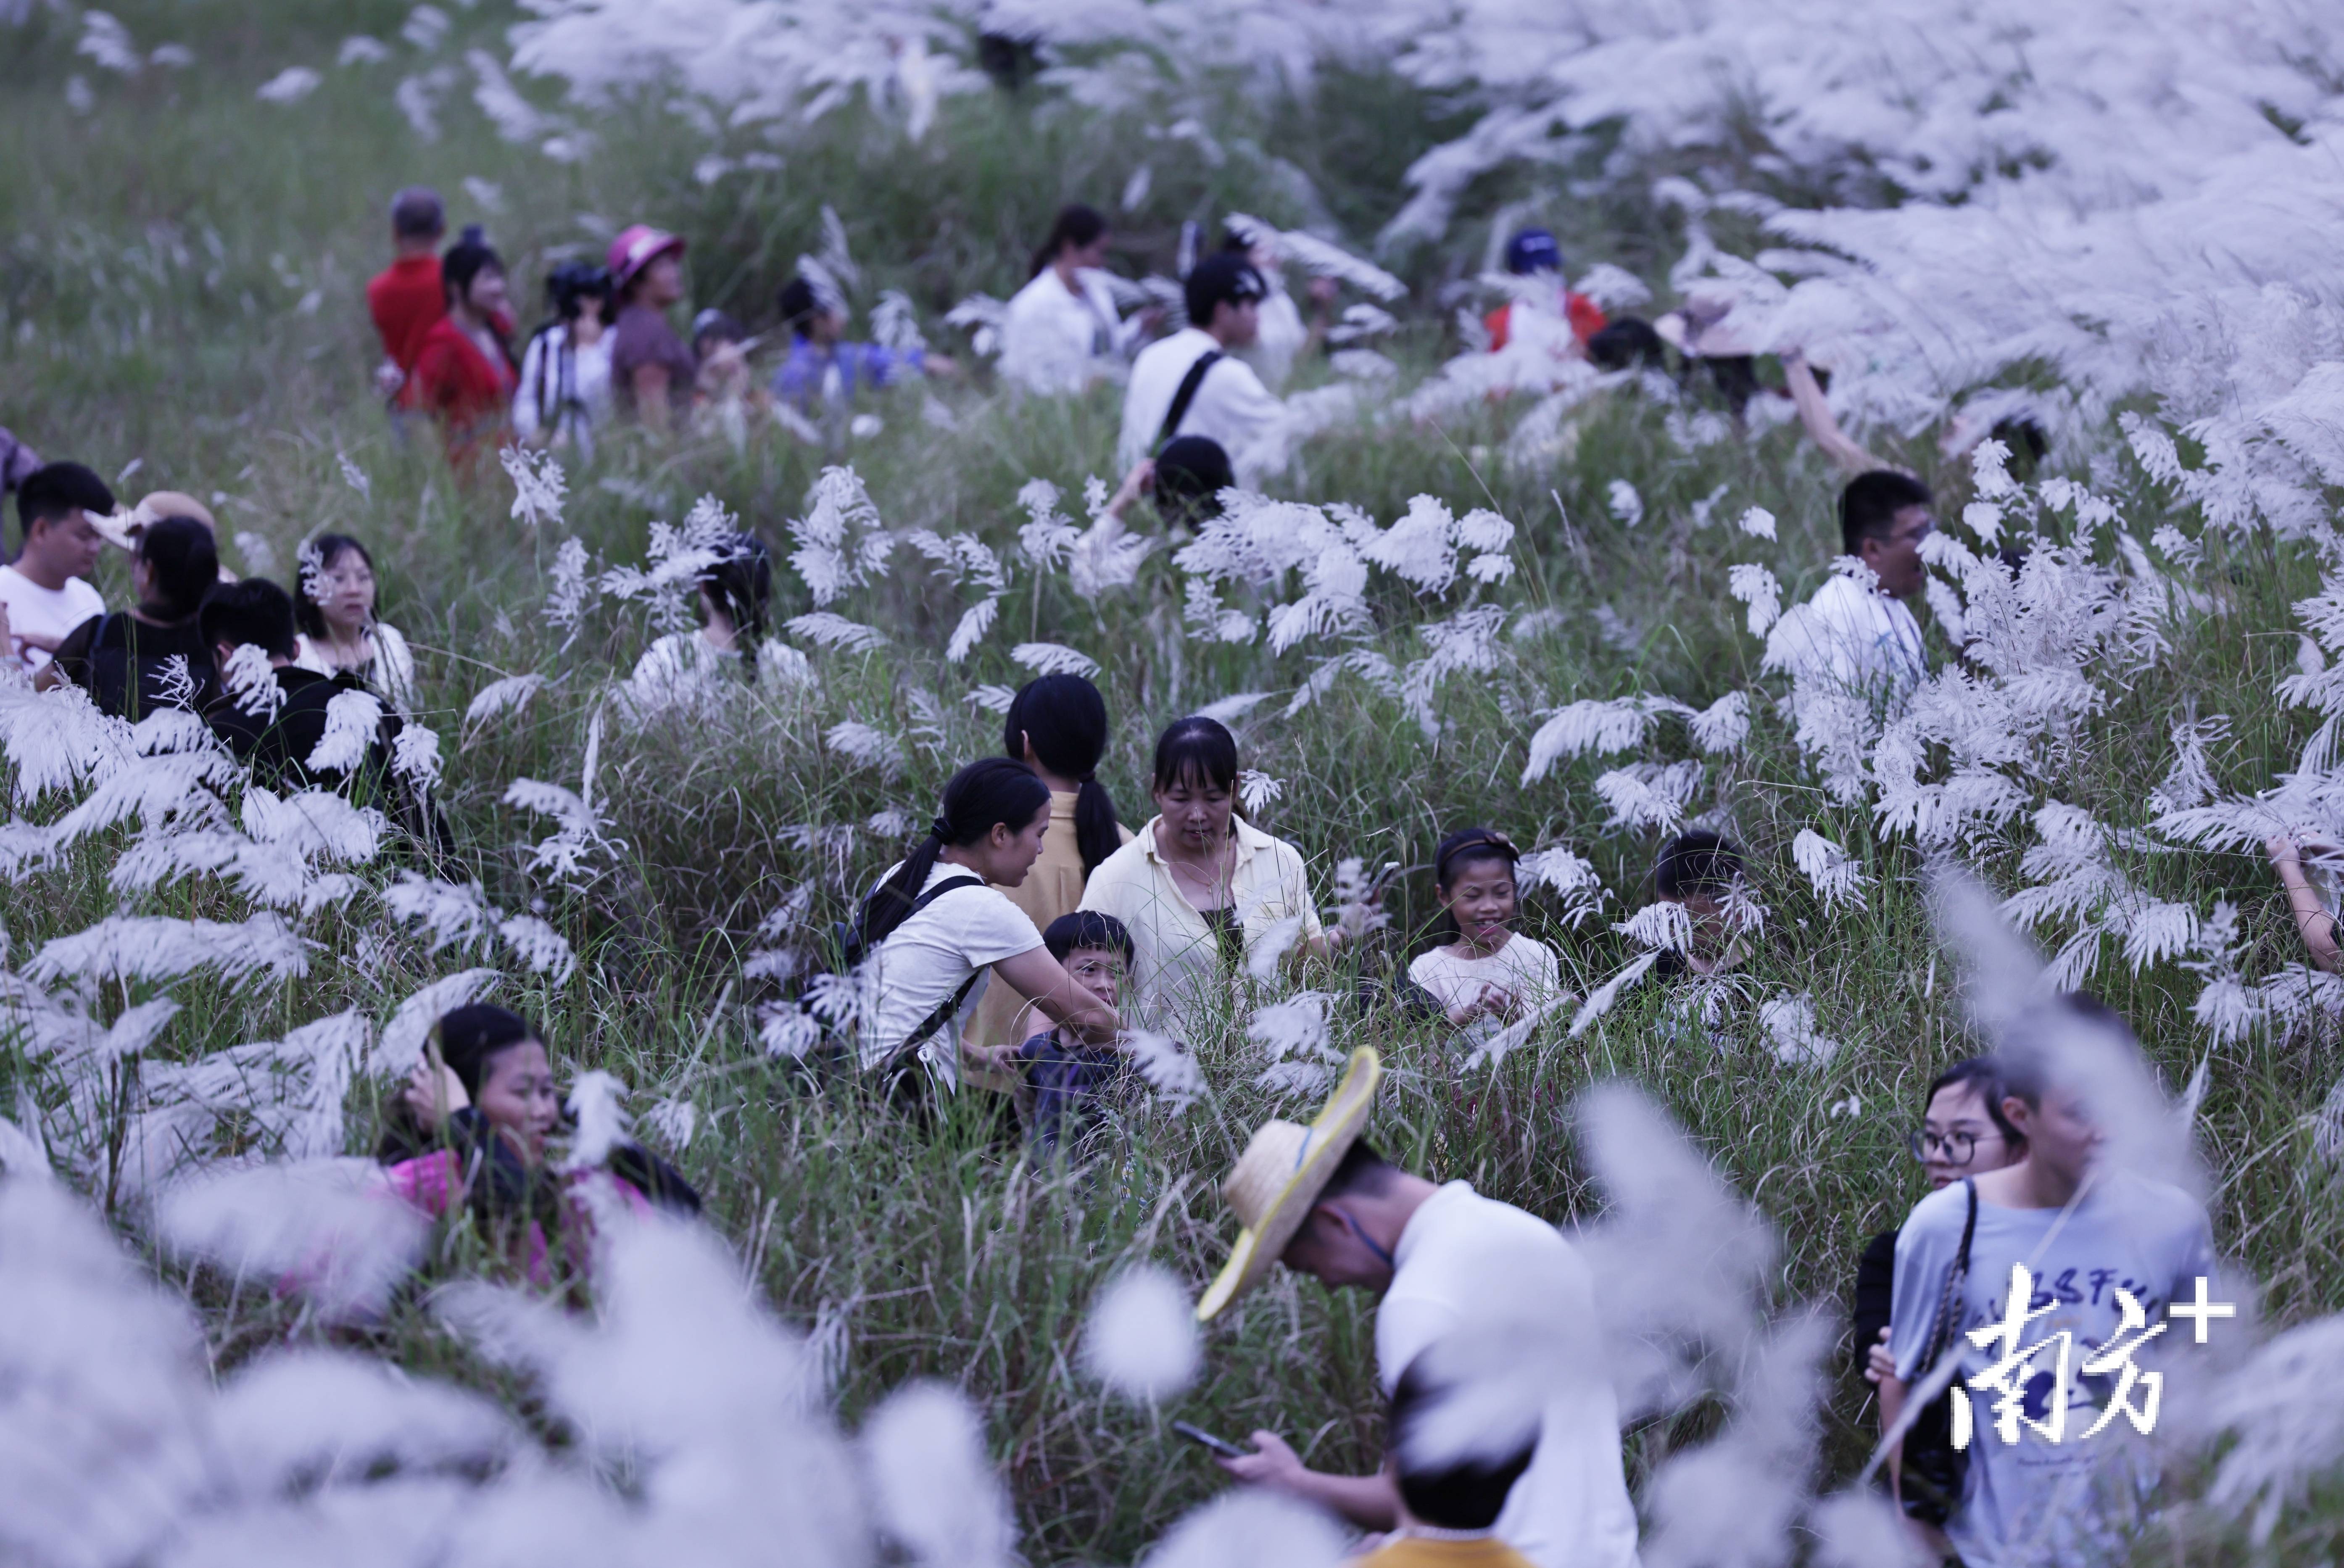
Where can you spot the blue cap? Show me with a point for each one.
(1533, 250)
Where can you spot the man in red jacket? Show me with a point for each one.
(406, 296)
(1533, 253)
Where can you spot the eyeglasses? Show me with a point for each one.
(1953, 1147)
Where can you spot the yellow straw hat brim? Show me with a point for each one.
(1327, 1139)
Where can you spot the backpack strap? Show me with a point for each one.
(944, 1014)
(1186, 395)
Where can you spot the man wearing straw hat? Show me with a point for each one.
(1445, 1262)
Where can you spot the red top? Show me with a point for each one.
(1587, 319)
(405, 298)
(433, 1183)
(469, 394)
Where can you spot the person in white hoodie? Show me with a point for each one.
(1193, 384)
(1062, 332)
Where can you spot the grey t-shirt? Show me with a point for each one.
(2030, 1503)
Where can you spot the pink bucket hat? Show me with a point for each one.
(636, 248)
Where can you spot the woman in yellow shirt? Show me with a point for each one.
(1057, 726)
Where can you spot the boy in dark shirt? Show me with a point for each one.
(275, 720)
(1065, 1077)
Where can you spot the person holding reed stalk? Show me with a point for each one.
(1449, 1265)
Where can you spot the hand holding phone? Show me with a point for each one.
(1205, 1439)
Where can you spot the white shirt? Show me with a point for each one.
(1852, 636)
(391, 672)
(1464, 1258)
(50, 612)
(2031, 1503)
(1176, 963)
(1525, 966)
(1283, 333)
(564, 388)
(1054, 341)
(930, 957)
(684, 668)
(1231, 405)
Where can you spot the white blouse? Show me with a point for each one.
(1054, 341)
(389, 667)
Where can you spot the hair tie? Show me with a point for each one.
(1088, 778)
(941, 829)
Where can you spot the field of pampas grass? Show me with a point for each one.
(1561, 613)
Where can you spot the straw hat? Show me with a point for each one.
(1280, 1175)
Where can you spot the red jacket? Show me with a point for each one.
(470, 395)
(405, 298)
(1587, 319)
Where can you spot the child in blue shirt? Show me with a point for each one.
(1065, 1077)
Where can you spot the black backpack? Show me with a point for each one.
(1931, 1473)
(849, 951)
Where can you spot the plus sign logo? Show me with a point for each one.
(2201, 1310)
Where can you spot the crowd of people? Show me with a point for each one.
(1029, 938)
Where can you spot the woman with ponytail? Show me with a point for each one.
(1062, 331)
(940, 921)
(1057, 727)
(735, 593)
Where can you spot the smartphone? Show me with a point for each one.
(1206, 1440)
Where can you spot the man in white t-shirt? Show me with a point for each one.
(1450, 1266)
(1856, 633)
(43, 594)
(1175, 390)
(2083, 1232)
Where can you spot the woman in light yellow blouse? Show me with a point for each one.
(1056, 726)
(1200, 889)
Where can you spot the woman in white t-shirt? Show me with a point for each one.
(565, 373)
(1488, 975)
(939, 921)
(1062, 331)
(336, 609)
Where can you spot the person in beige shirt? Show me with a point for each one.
(1057, 726)
(1201, 889)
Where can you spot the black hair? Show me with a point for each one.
(1981, 1075)
(1869, 505)
(1222, 278)
(799, 304)
(571, 284)
(1197, 748)
(1466, 846)
(416, 213)
(1467, 1494)
(252, 611)
(185, 561)
(1064, 719)
(1693, 863)
(1361, 1170)
(1077, 225)
(331, 547)
(54, 491)
(2027, 443)
(2024, 1058)
(742, 583)
(465, 260)
(1627, 344)
(1191, 472)
(471, 1036)
(718, 325)
(1089, 928)
(989, 791)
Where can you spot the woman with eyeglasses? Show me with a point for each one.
(1963, 1132)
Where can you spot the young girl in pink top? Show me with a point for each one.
(470, 1130)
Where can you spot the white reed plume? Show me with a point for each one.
(1141, 1337)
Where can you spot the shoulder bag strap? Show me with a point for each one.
(1945, 1329)
(1186, 395)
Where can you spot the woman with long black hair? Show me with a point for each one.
(734, 594)
(1062, 331)
(1057, 726)
(133, 661)
(939, 922)
(565, 371)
